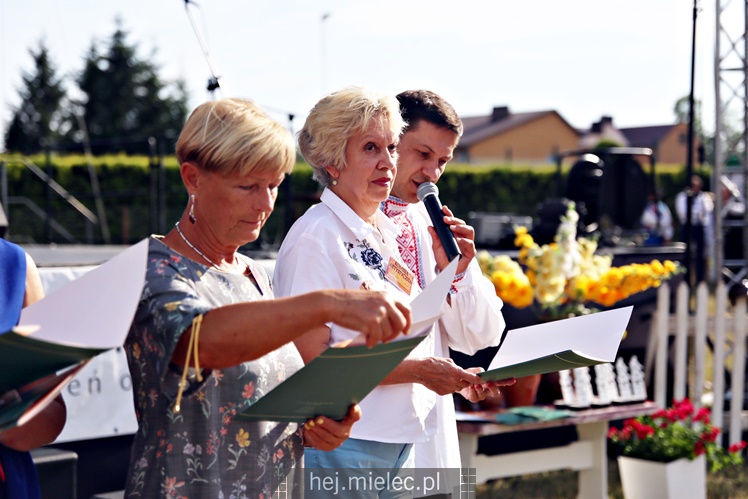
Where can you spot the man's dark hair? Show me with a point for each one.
(417, 105)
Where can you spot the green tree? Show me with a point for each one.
(125, 101)
(38, 119)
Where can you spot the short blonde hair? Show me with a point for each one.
(336, 118)
(234, 136)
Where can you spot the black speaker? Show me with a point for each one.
(612, 186)
(733, 238)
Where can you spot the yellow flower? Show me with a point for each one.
(522, 239)
(485, 261)
(511, 284)
(523, 298)
(242, 438)
(657, 267)
(564, 276)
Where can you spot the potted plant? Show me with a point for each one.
(666, 454)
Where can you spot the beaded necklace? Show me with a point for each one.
(184, 238)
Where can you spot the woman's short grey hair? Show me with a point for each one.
(336, 118)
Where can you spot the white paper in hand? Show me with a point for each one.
(95, 310)
(426, 306)
(595, 336)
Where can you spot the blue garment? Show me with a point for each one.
(18, 478)
(388, 465)
(12, 284)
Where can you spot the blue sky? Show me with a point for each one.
(629, 59)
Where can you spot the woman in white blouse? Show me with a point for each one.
(350, 139)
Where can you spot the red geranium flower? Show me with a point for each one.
(675, 433)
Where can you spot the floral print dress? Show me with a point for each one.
(203, 451)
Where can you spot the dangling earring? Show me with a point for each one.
(192, 209)
(334, 182)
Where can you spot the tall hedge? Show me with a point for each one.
(131, 208)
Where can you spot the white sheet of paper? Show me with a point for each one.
(421, 329)
(428, 303)
(425, 307)
(595, 335)
(96, 309)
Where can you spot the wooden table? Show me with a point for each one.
(588, 454)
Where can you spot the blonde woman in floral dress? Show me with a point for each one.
(208, 339)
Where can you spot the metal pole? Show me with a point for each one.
(559, 187)
(288, 194)
(162, 190)
(745, 139)
(153, 186)
(689, 156)
(719, 237)
(93, 177)
(48, 196)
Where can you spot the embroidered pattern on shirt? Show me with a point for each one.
(362, 252)
(407, 240)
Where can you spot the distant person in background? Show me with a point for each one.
(702, 211)
(21, 286)
(657, 220)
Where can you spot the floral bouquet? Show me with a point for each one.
(675, 433)
(563, 277)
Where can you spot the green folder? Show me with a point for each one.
(19, 406)
(26, 359)
(581, 341)
(88, 316)
(329, 384)
(568, 359)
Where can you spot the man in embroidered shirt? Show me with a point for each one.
(472, 317)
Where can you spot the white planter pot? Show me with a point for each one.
(642, 479)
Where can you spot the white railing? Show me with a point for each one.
(723, 326)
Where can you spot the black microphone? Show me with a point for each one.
(429, 194)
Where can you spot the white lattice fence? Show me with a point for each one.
(724, 327)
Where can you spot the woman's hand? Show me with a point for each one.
(327, 434)
(378, 314)
(439, 374)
